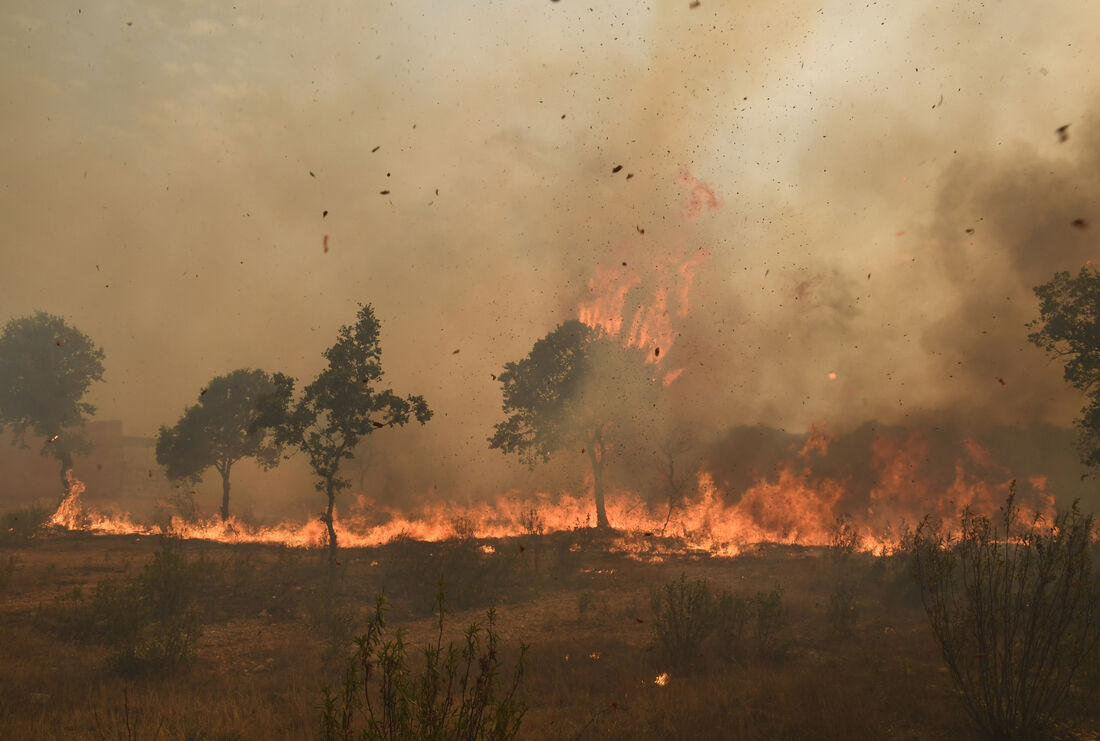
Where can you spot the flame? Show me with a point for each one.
(653, 300)
(794, 505)
(661, 679)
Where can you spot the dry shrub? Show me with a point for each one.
(1015, 608)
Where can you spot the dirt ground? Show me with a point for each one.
(275, 630)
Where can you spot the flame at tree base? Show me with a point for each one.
(792, 507)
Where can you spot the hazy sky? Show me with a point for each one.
(167, 166)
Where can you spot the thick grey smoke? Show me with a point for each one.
(169, 170)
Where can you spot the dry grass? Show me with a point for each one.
(268, 645)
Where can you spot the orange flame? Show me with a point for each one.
(794, 505)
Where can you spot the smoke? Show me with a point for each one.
(170, 170)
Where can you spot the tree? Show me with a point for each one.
(340, 407)
(220, 430)
(569, 393)
(1068, 328)
(46, 368)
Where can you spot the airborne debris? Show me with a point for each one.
(616, 168)
(640, 230)
(377, 424)
(325, 244)
(456, 351)
(324, 214)
(493, 376)
(203, 392)
(311, 174)
(376, 149)
(384, 192)
(970, 230)
(656, 352)
(1001, 381)
(1080, 223)
(1062, 133)
(624, 263)
(695, 4)
(629, 175)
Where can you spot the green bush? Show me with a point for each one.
(693, 621)
(1016, 611)
(150, 624)
(459, 693)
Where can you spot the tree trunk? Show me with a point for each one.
(595, 455)
(66, 459)
(328, 517)
(224, 470)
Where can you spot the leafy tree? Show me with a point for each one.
(1068, 328)
(46, 368)
(220, 430)
(340, 407)
(569, 393)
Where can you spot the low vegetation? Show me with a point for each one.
(620, 649)
(441, 693)
(1015, 608)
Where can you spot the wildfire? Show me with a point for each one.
(792, 505)
(641, 303)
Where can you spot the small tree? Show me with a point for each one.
(46, 368)
(1068, 328)
(568, 394)
(1016, 611)
(340, 407)
(220, 430)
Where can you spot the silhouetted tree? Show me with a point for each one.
(339, 407)
(46, 368)
(220, 430)
(1068, 328)
(569, 393)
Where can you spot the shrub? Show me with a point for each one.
(685, 615)
(1016, 611)
(692, 620)
(459, 694)
(23, 522)
(841, 608)
(150, 624)
(585, 601)
(8, 567)
(770, 621)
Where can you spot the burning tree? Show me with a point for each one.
(340, 407)
(570, 393)
(1068, 328)
(220, 430)
(46, 367)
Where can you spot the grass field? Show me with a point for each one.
(277, 624)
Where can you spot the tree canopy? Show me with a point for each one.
(46, 368)
(1068, 328)
(220, 430)
(573, 391)
(339, 407)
